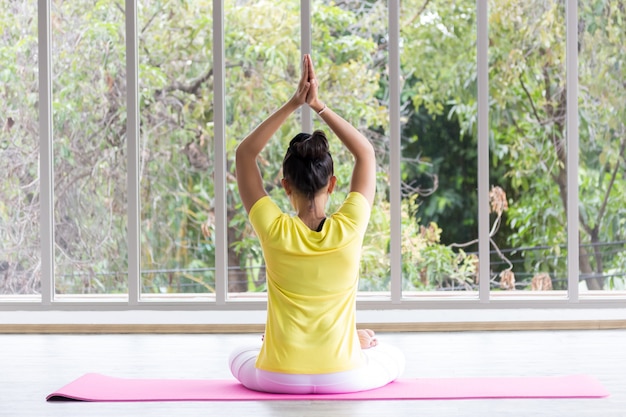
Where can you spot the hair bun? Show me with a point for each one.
(311, 147)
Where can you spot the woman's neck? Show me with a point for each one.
(311, 212)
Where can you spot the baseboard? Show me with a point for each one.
(259, 328)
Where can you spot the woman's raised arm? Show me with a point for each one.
(364, 171)
(249, 179)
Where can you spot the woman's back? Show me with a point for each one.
(312, 280)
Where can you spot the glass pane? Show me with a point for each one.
(602, 158)
(89, 102)
(350, 53)
(527, 121)
(263, 67)
(20, 258)
(439, 142)
(176, 145)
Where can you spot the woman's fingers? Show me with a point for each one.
(312, 95)
(311, 72)
(304, 78)
(305, 68)
(308, 63)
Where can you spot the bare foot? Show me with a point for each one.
(367, 338)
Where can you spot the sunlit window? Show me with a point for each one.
(426, 133)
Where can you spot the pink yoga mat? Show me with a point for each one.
(96, 387)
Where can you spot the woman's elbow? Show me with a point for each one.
(369, 152)
(242, 154)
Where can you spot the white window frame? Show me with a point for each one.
(221, 301)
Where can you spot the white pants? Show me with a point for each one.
(383, 364)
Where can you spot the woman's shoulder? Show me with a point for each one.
(264, 211)
(355, 199)
(262, 203)
(355, 206)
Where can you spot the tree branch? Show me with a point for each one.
(191, 88)
(492, 232)
(609, 187)
(500, 254)
(584, 224)
(418, 14)
(149, 22)
(530, 99)
(194, 85)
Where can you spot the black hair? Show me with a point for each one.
(308, 164)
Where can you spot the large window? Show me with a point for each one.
(602, 177)
(499, 128)
(349, 43)
(175, 147)
(262, 59)
(20, 261)
(88, 119)
(439, 148)
(527, 111)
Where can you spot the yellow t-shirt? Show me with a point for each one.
(312, 280)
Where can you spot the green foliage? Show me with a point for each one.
(527, 113)
(427, 264)
(262, 50)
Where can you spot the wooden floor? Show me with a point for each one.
(32, 366)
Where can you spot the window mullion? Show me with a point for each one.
(571, 68)
(132, 142)
(482, 69)
(46, 164)
(305, 39)
(219, 126)
(395, 150)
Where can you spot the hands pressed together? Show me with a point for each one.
(307, 87)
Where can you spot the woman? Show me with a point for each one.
(311, 344)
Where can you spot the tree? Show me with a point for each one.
(527, 112)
